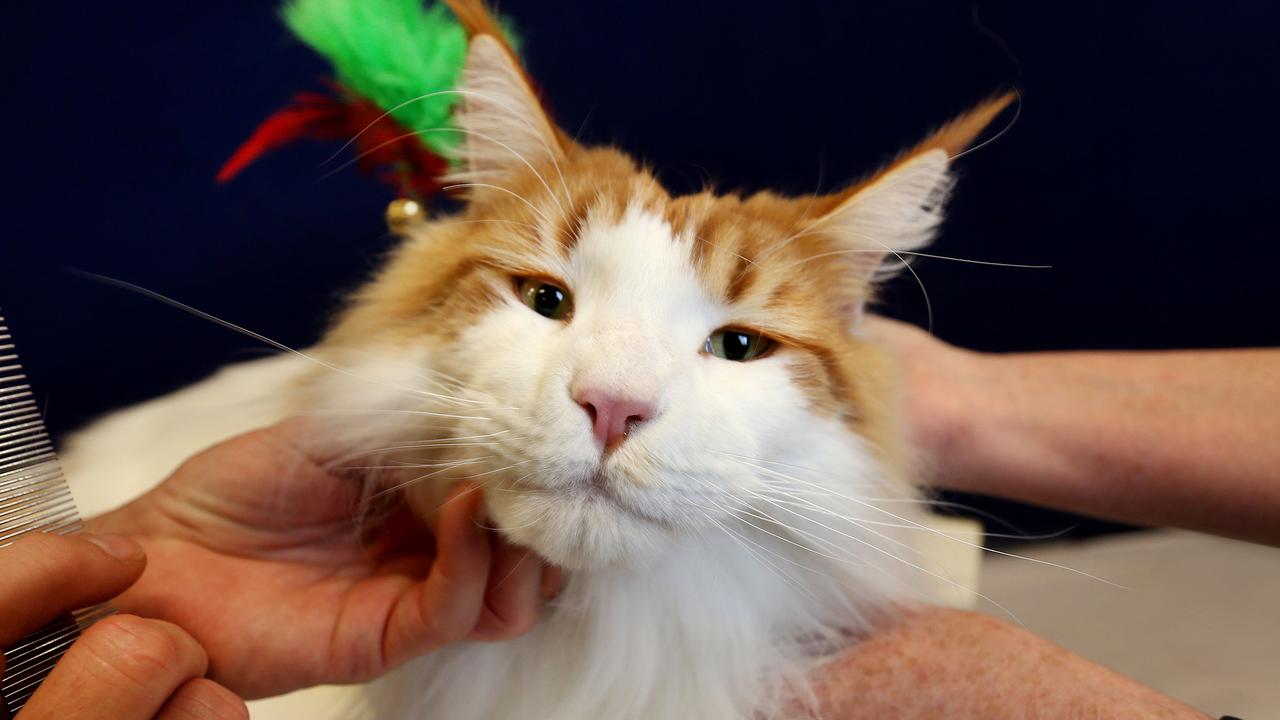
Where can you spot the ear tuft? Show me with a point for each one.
(899, 209)
(476, 18)
(956, 136)
(501, 117)
(898, 212)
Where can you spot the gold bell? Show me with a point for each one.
(403, 214)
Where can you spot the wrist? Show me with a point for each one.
(966, 397)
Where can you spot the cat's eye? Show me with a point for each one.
(545, 298)
(737, 345)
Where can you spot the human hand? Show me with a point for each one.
(255, 549)
(121, 668)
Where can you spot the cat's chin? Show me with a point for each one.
(579, 530)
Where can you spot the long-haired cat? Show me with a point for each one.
(670, 397)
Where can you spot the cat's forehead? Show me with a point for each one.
(615, 217)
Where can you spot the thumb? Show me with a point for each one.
(47, 575)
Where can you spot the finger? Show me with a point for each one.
(47, 575)
(446, 606)
(512, 599)
(204, 700)
(552, 581)
(123, 667)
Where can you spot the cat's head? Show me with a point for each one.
(619, 367)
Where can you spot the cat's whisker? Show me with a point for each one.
(1016, 534)
(495, 471)
(412, 481)
(541, 516)
(516, 114)
(784, 558)
(125, 285)
(448, 382)
(769, 484)
(745, 509)
(818, 491)
(401, 466)
(739, 513)
(765, 461)
(765, 517)
(909, 253)
(340, 462)
(461, 131)
(824, 511)
(861, 521)
(511, 483)
(434, 442)
(423, 445)
(935, 531)
(917, 567)
(879, 188)
(746, 542)
(1017, 114)
(384, 116)
(537, 211)
(384, 456)
(448, 399)
(928, 304)
(469, 132)
(563, 213)
(818, 539)
(527, 226)
(847, 484)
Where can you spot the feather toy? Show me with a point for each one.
(394, 63)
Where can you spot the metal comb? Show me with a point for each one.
(34, 497)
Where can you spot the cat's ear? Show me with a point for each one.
(899, 209)
(504, 124)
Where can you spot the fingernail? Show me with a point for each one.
(117, 546)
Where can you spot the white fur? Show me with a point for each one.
(126, 453)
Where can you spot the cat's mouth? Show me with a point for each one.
(584, 521)
(598, 487)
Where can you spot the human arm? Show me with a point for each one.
(123, 667)
(944, 664)
(1187, 439)
(259, 553)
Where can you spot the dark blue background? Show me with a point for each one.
(1143, 167)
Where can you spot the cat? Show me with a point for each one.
(670, 397)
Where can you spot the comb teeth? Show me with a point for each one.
(34, 497)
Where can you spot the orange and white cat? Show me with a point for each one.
(670, 397)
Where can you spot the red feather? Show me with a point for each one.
(380, 141)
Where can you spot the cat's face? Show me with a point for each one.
(633, 368)
(618, 367)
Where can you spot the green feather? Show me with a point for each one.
(390, 52)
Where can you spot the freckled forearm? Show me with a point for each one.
(1188, 439)
(954, 665)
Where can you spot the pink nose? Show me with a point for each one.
(611, 416)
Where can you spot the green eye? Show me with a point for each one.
(737, 345)
(545, 298)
